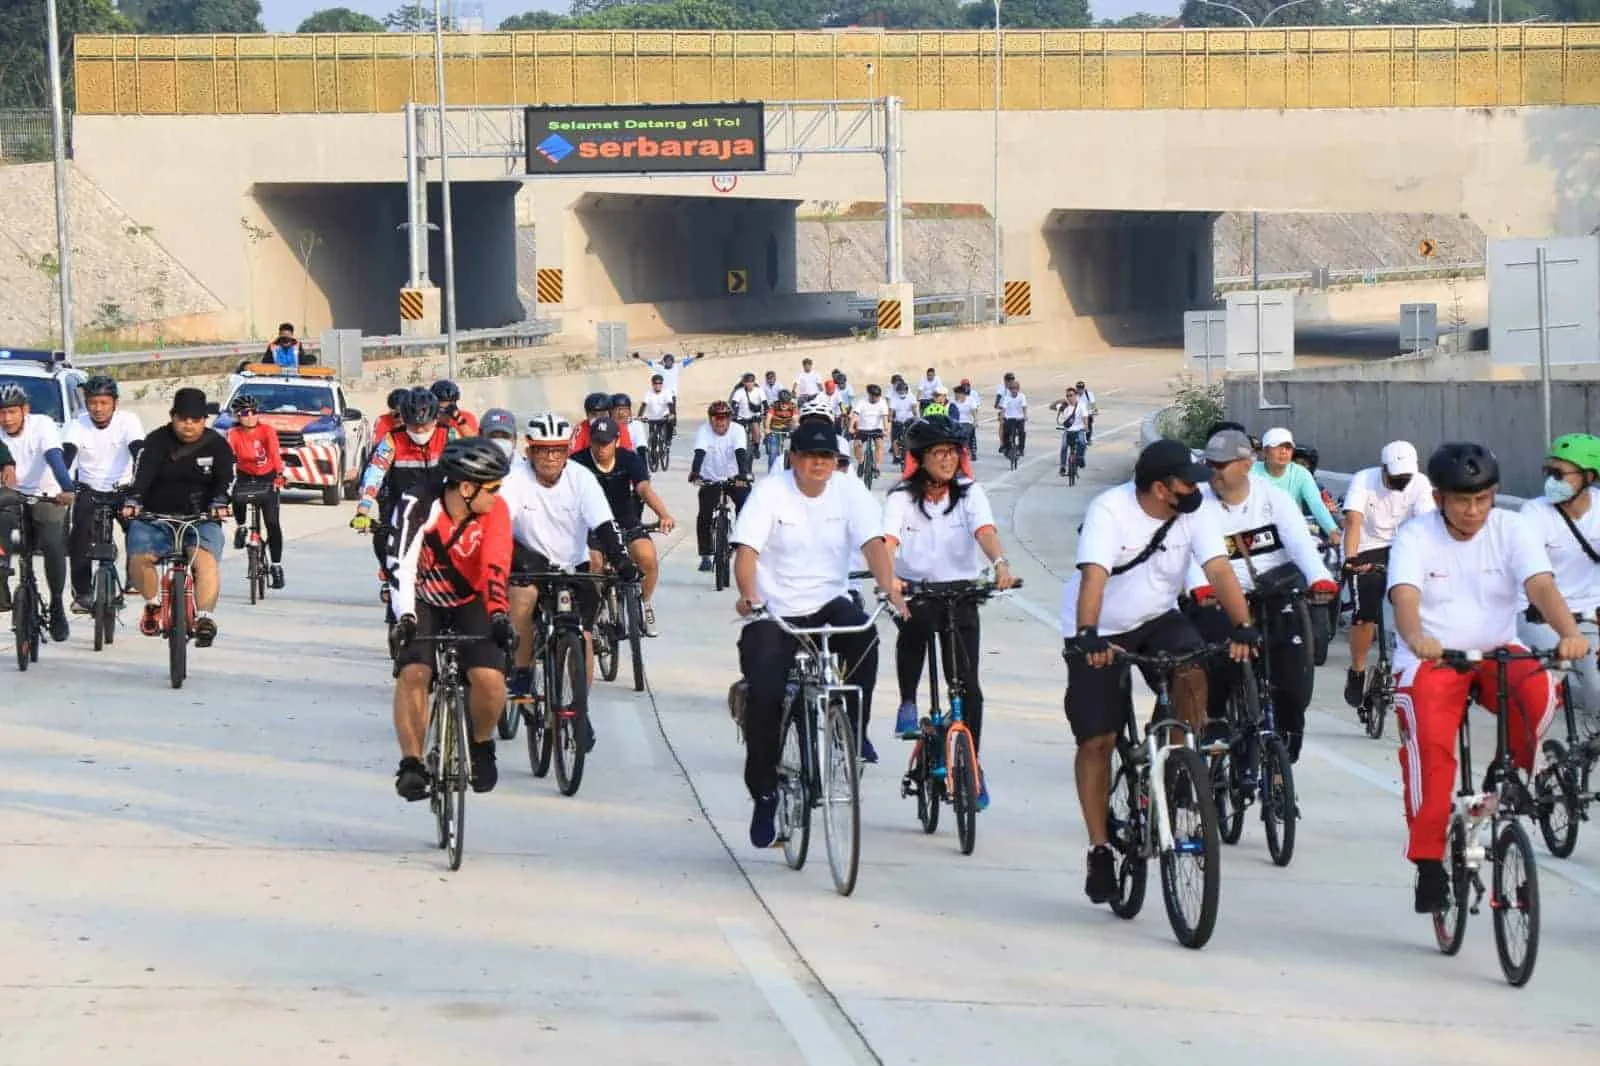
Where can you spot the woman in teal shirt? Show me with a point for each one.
(1277, 465)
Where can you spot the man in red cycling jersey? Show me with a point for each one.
(598, 405)
(459, 423)
(401, 462)
(389, 421)
(455, 559)
(258, 476)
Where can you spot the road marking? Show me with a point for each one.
(819, 1045)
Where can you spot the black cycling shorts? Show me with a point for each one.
(1099, 699)
(468, 620)
(869, 434)
(1369, 588)
(526, 563)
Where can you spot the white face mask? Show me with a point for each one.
(1558, 490)
(505, 446)
(420, 437)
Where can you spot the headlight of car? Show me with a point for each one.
(322, 438)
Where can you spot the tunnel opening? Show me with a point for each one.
(339, 257)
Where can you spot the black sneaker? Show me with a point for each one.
(205, 632)
(275, 576)
(411, 780)
(485, 774)
(1355, 687)
(764, 821)
(1100, 885)
(1433, 887)
(59, 629)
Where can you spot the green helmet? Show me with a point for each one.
(1582, 450)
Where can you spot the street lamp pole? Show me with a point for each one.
(58, 136)
(999, 268)
(444, 197)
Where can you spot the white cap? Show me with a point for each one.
(1276, 436)
(1399, 458)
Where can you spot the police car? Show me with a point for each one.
(53, 385)
(325, 442)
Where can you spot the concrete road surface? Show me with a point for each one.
(224, 873)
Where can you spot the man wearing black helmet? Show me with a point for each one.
(597, 405)
(391, 416)
(35, 442)
(105, 442)
(454, 543)
(1456, 577)
(401, 461)
(460, 423)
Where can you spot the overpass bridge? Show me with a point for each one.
(1117, 147)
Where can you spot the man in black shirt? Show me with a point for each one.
(184, 469)
(625, 477)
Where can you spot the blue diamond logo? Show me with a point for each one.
(555, 148)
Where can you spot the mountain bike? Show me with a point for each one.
(621, 618)
(944, 761)
(722, 535)
(819, 758)
(1503, 801)
(448, 743)
(1377, 698)
(658, 447)
(1015, 437)
(1074, 447)
(178, 609)
(1161, 807)
(867, 469)
(255, 544)
(106, 596)
(1564, 788)
(557, 713)
(29, 626)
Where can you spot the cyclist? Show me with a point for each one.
(770, 386)
(658, 407)
(999, 421)
(624, 476)
(847, 395)
(557, 510)
(937, 406)
(1267, 541)
(749, 403)
(105, 442)
(184, 469)
(1567, 520)
(1072, 419)
(669, 368)
(452, 417)
(1307, 457)
(390, 418)
(964, 413)
(1094, 409)
(1277, 465)
(41, 471)
(942, 529)
(1455, 577)
(622, 409)
(1378, 501)
(781, 420)
(454, 561)
(929, 385)
(903, 411)
(500, 426)
(807, 383)
(1013, 405)
(259, 465)
(400, 463)
(285, 351)
(793, 561)
(11, 519)
(867, 423)
(596, 405)
(1135, 546)
(721, 464)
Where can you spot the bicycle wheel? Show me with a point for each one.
(962, 774)
(841, 799)
(605, 636)
(924, 762)
(438, 794)
(1323, 624)
(1278, 804)
(1191, 862)
(105, 607)
(457, 772)
(635, 618)
(1072, 466)
(541, 743)
(1125, 823)
(719, 548)
(178, 626)
(510, 719)
(569, 700)
(794, 787)
(1450, 924)
(1380, 693)
(1556, 801)
(1515, 902)
(24, 623)
(869, 472)
(1227, 794)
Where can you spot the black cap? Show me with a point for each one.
(603, 431)
(810, 438)
(1169, 458)
(189, 403)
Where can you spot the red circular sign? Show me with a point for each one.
(724, 182)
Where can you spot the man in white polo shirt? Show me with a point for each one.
(105, 443)
(35, 445)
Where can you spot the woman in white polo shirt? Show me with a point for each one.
(942, 529)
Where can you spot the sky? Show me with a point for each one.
(282, 16)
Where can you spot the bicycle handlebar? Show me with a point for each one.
(762, 614)
(1160, 660)
(1457, 657)
(955, 589)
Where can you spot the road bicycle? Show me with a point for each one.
(448, 743)
(1377, 695)
(658, 446)
(556, 713)
(1500, 805)
(178, 609)
(722, 534)
(621, 620)
(819, 758)
(106, 590)
(944, 759)
(29, 627)
(255, 544)
(1564, 788)
(1161, 807)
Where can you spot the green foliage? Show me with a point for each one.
(201, 16)
(413, 18)
(1194, 410)
(339, 20)
(24, 53)
(1139, 20)
(1029, 14)
(534, 20)
(897, 14)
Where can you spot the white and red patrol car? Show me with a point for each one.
(325, 442)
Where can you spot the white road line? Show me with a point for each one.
(819, 1045)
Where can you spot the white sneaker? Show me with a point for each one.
(649, 619)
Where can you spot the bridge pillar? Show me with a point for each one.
(421, 309)
(902, 298)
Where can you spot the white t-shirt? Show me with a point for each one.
(669, 374)
(39, 435)
(771, 389)
(1382, 509)
(903, 406)
(555, 521)
(1115, 530)
(942, 544)
(103, 461)
(1287, 539)
(721, 462)
(999, 391)
(807, 383)
(1014, 406)
(805, 542)
(964, 411)
(1470, 589)
(928, 386)
(1577, 576)
(1073, 417)
(872, 415)
(655, 406)
(747, 403)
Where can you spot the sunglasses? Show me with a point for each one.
(1562, 475)
(491, 487)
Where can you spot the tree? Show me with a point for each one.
(896, 14)
(339, 20)
(24, 53)
(414, 18)
(665, 15)
(1197, 13)
(534, 20)
(1029, 14)
(202, 16)
(1139, 20)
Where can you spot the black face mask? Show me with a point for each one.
(1187, 502)
(1399, 483)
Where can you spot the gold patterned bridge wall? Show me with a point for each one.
(1445, 66)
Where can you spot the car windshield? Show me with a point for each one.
(44, 395)
(278, 398)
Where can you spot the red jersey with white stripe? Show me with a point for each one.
(445, 563)
(255, 451)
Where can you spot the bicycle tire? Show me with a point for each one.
(635, 608)
(1072, 467)
(1278, 801)
(720, 548)
(962, 774)
(605, 636)
(1450, 923)
(458, 772)
(569, 699)
(1126, 836)
(1513, 839)
(510, 721)
(1377, 704)
(841, 798)
(105, 607)
(1187, 771)
(541, 741)
(1323, 624)
(177, 627)
(1556, 801)
(794, 786)
(433, 760)
(24, 627)
(1226, 794)
(928, 786)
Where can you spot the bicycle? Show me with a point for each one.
(255, 545)
(817, 712)
(722, 536)
(1325, 620)
(1015, 436)
(447, 743)
(29, 626)
(1377, 696)
(621, 618)
(178, 610)
(944, 761)
(1074, 444)
(1564, 788)
(777, 444)
(658, 447)
(1501, 803)
(1150, 775)
(557, 712)
(867, 469)
(107, 591)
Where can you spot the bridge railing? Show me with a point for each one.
(934, 309)
(1359, 275)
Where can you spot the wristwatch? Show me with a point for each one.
(1000, 561)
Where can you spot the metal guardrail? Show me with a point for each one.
(1343, 277)
(478, 338)
(935, 309)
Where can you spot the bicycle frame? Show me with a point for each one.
(176, 560)
(817, 667)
